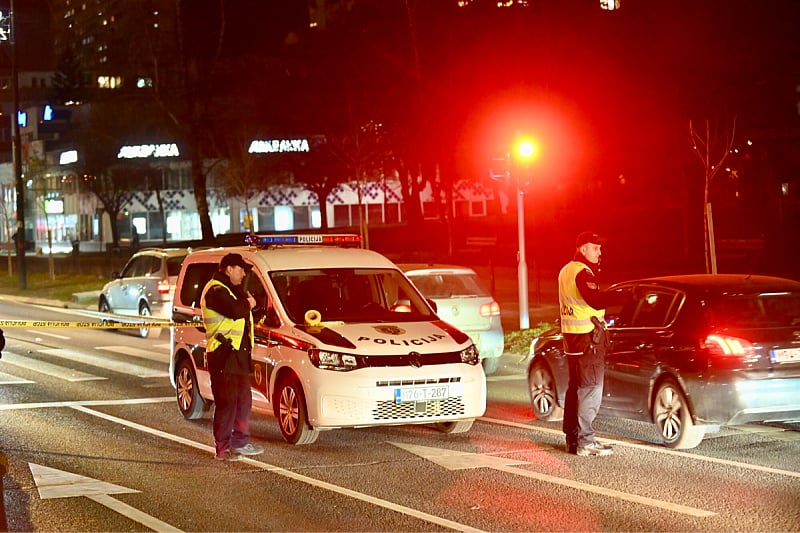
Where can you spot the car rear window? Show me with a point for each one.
(194, 281)
(174, 265)
(772, 309)
(449, 285)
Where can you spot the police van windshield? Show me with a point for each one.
(349, 295)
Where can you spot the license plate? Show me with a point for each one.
(421, 394)
(787, 355)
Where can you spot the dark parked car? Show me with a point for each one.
(689, 353)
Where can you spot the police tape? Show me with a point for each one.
(48, 324)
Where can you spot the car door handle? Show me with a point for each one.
(644, 346)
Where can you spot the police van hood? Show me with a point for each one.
(387, 338)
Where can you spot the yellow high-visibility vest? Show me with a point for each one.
(216, 323)
(576, 314)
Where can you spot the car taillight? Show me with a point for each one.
(491, 309)
(163, 287)
(729, 346)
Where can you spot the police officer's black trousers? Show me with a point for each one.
(584, 394)
(232, 404)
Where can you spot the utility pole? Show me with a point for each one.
(10, 35)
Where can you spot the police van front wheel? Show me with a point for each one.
(292, 413)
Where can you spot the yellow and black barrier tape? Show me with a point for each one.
(8, 324)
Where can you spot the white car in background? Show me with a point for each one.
(463, 301)
(145, 285)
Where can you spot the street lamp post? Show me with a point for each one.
(524, 150)
(17, 156)
(522, 265)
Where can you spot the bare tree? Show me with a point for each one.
(7, 213)
(243, 175)
(712, 146)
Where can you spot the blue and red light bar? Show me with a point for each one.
(335, 239)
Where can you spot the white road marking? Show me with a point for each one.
(109, 364)
(82, 406)
(651, 448)
(48, 334)
(53, 483)
(8, 379)
(454, 460)
(77, 403)
(290, 474)
(49, 369)
(152, 355)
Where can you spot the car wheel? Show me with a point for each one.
(103, 307)
(673, 419)
(490, 365)
(542, 389)
(190, 403)
(458, 426)
(292, 413)
(144, 312)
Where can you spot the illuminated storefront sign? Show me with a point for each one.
(68, 157)
(143, 151)
(278, 145)
(54, 207)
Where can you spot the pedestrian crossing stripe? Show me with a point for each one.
(43, 367)
(8, 379)
(122, 367)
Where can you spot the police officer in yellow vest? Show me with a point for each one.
(228, 321)
(583, 327)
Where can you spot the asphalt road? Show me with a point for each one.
(103, 448)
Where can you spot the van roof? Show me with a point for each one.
(294, 257)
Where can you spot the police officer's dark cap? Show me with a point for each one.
(589, 237)
(233, 260)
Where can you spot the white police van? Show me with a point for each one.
(343, 340)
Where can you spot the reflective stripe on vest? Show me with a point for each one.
(576, 314)
(215, 322)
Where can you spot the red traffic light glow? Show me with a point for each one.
(526, 149)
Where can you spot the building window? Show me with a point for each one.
(341, 215)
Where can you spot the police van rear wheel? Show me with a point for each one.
(190, 403)
(292, 413)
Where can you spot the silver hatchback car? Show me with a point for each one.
(145, 286)
(462, 301)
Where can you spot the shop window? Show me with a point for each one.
(266, 219)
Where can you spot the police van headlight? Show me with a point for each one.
(329, 360)
(470, 355)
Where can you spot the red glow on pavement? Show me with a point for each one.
(519, 503)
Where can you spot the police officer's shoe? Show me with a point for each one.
(249, 449)
(572, 449)
(595, 448)
(228, 455)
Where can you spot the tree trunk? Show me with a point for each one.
(201, 198)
